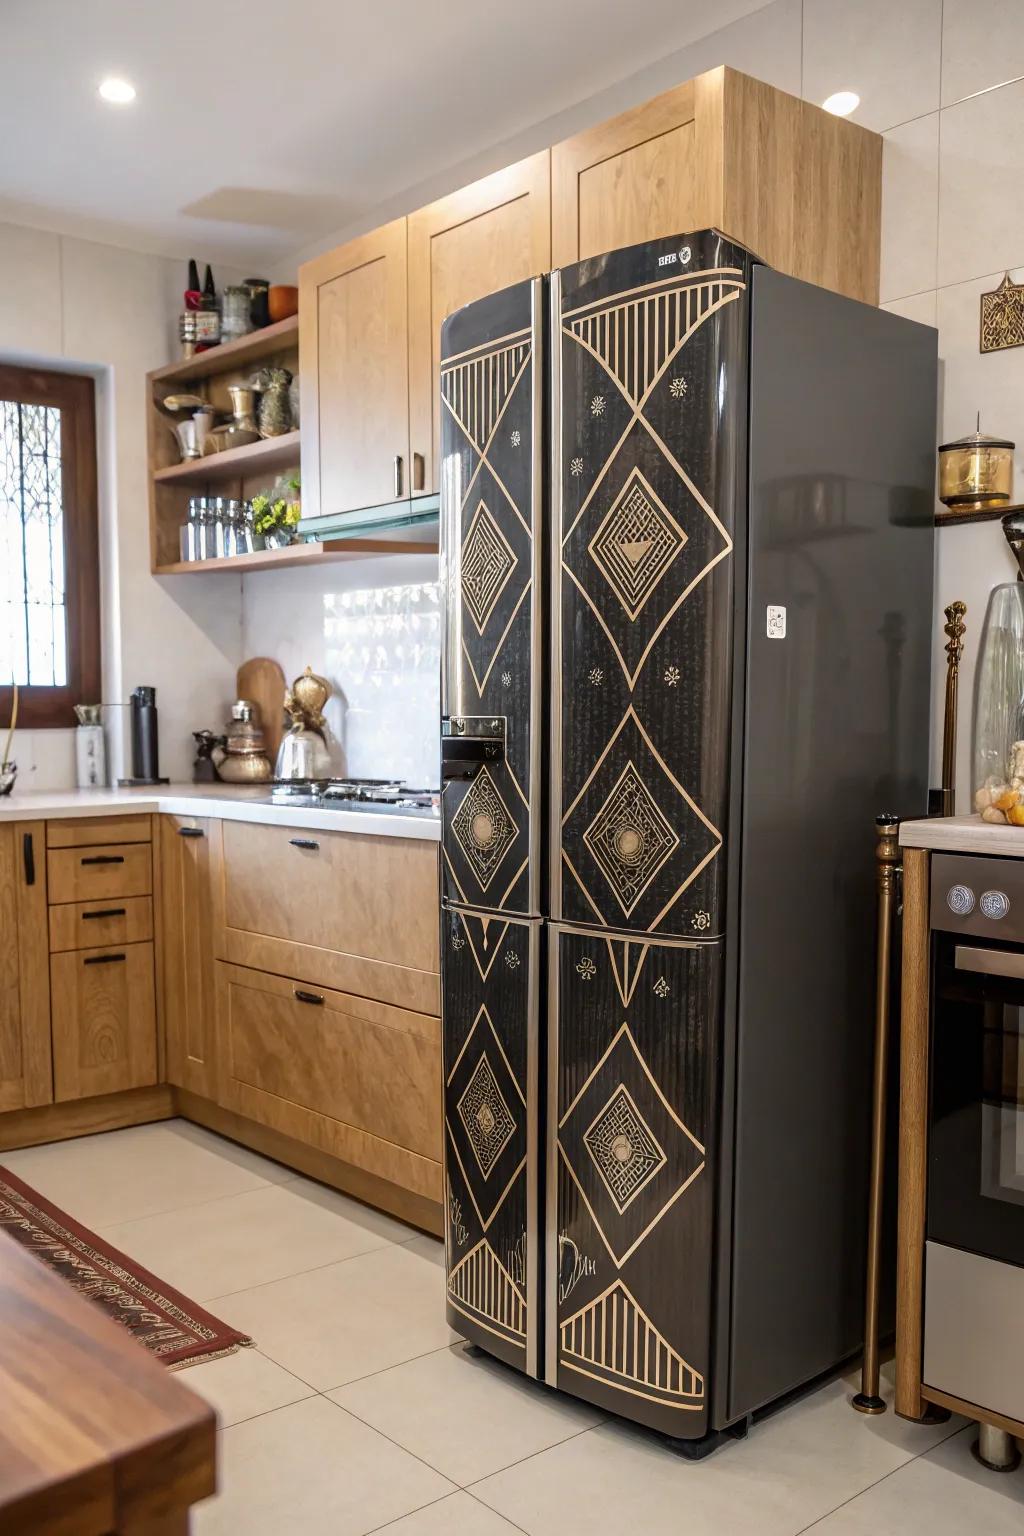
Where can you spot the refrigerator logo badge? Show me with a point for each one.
(667, 261)
(776, 623)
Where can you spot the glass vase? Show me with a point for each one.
(999, 709)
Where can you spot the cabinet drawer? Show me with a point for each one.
(90, 924)
(355, 912)
(80, 832)
(93, 873)
(104, 1020)
(373, 1070)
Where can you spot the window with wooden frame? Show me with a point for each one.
(49, 546)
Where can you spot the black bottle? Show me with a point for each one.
(145, 740)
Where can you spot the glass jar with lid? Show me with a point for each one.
(999, 709)
(235, 318)
(976, 472)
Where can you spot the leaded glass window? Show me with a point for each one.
(33, 612)
(49, 537)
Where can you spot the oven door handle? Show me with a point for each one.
(989, 962)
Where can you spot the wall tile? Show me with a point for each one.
(921, 307)
(765, 45)
(981, 159)
(910, 206)
(888, 53)
(29, 291)
(982, 46)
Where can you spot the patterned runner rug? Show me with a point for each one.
(159, 1317)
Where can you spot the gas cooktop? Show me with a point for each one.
(378, 795)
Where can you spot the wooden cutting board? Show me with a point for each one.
(262, 681)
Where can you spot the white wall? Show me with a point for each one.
(110, 312)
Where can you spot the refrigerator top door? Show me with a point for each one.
(649, 406)
(491, 484)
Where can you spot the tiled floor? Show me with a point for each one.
(360, 1411)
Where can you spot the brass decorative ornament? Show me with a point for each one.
(1002, 317)
(954, 628)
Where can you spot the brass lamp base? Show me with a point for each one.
(865, 1403)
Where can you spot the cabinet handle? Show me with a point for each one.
(104, 912)
(102, 959)
(419, 472)
(191, 832)
(308, 997)
(304, 842)
(398, 476)
(104, 858)
(28, 853)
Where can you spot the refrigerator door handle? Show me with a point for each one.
(468, 743)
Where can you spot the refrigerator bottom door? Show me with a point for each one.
(490, 981)
(631, 1073)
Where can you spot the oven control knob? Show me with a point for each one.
(960, 899)
(994, 904)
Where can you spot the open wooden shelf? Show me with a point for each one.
(245, 352)
(298, 556)
(267, 456)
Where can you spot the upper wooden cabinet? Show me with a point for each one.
(474, 242)
(353, 349)
(25, 1059)
(796, 185)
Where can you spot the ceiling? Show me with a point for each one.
(261, 127)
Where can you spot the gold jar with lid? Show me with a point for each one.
(976, 472)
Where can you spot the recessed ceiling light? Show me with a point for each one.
(119, 92)
(841, 103)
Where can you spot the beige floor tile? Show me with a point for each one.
(790, 1471)
(243, 1385)
(315, 1470)
(120, 1175)
(467, 1416)
(945, 1493)
(348, 1320)
(245, 1240)
(458, 1515)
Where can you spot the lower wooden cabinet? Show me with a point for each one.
(25, 1079)
(103, 1020)
(358, 1079)
(187, 947)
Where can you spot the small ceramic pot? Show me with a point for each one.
(282, 302)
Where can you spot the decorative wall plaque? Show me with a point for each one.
(1002, 317)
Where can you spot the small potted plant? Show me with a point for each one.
(275, 514)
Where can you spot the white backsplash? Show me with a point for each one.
(372, 628)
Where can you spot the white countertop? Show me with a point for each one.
(962, 834)
(221, 801)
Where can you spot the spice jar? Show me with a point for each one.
(275, 412)
(235, 320)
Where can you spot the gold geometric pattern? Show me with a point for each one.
(483, 827)
(481, 1287)
(630, 838)
(625, 1150)
(486, 1117)
(636, 543)
(1002, 316)
(475, 389)
(487, 563)
(612, 1340)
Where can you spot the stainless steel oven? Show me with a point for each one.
(974, 1258)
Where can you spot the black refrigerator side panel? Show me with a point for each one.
(490, 970)
(491, 565)
(650, 428)
(842, 455)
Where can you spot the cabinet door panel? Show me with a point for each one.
(104, 1021)
(633, 178)
(186, 933)
(632, 1071)
(480, 239)
(354, 366)
(25, 1069)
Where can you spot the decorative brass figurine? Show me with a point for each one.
(954, 627)
(887, 854)
(306, 698)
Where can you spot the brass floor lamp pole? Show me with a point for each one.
(887, 853)
(954, 628)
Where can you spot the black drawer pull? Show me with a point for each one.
(304, 842)
(191, 832)
(308, 997)
(30, 859)
(102, 959)
(104, 858)
(87, 917)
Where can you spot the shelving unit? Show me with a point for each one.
(240, 472)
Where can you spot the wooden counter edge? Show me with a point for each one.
(913, 1131)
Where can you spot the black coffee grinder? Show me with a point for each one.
(145, 740)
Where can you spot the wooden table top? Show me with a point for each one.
(95, 1435)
